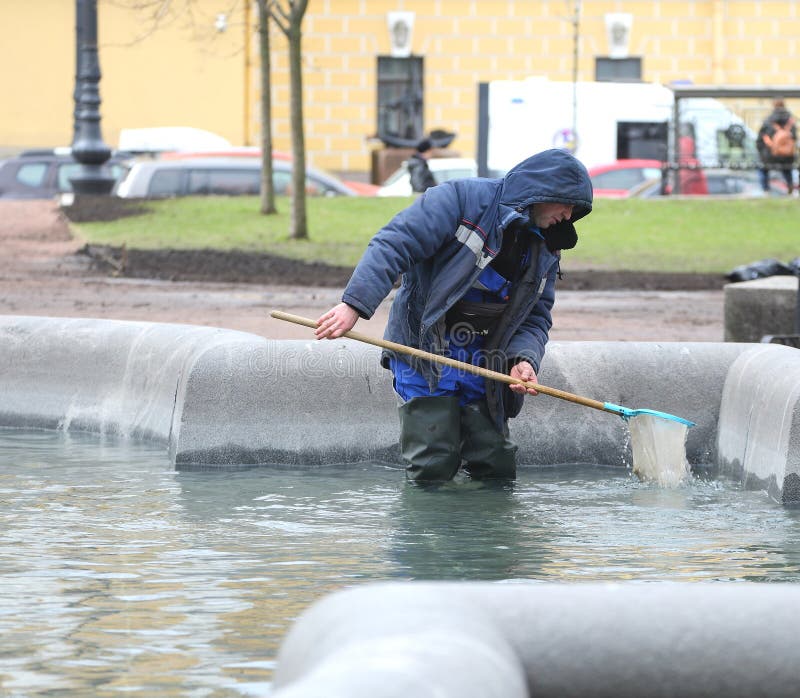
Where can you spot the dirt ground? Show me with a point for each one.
(44, 271)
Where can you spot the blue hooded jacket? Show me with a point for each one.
(443, 241)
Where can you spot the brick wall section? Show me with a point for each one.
(465, 42)
(187, 73)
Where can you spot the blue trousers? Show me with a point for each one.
(467, 387)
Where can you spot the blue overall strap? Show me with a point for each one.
(490, 287)
(493, 287)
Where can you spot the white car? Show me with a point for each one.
(443, 170)
(220, 176)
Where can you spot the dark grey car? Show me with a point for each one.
(43, 174)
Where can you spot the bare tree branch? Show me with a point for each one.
(156, 14)
(279, 16)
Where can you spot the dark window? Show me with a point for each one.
(400, 98)
(646, 140)
(166, 183)
(32, 174)
(224, 182)
(618, 69)
(65, 173)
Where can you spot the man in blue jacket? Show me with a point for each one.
(478, 260)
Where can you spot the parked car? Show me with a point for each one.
(721, 182)
(223, 176)
(742, 182)
(642, 179)
(361, 188)
(444, 169)
(46, 173)
(622, 178)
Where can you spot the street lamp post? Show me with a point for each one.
(88, 148)
(576, 23)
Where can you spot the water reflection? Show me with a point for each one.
(295, 537)
(460, 530)
(117, 573)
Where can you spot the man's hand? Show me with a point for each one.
(338, 320)
(524, 371)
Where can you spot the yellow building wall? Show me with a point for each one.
(466, 42)
(176, 71)
(182, 71)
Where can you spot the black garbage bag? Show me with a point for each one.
(794, 265)
(760, 270)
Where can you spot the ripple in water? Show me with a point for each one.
(119, 574)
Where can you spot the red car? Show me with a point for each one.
(623, 178)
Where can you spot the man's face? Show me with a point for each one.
(547, 213)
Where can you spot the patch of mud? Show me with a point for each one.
(249, 267)
(237, 266)
(597, 280)
(213, 265)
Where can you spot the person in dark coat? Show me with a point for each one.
(419, 173)
(478, 259)
(780, 119)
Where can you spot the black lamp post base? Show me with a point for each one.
(92, 179)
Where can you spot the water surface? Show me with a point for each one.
(119, 575)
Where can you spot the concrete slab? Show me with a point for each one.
(288, 402)
(760, 307)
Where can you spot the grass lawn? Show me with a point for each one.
(710, 235)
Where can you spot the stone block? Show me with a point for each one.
(760, 307)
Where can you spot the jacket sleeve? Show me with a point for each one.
(413, 235)
(528, 342)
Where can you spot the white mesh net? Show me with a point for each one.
(659, 450)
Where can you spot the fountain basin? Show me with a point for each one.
(219, 398)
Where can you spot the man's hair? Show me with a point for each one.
(424, 145)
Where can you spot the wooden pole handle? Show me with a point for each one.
(447, 361)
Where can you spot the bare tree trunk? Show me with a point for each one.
(267, 185)
(299, 218)
(290, 22)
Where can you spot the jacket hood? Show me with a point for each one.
(552, 175)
